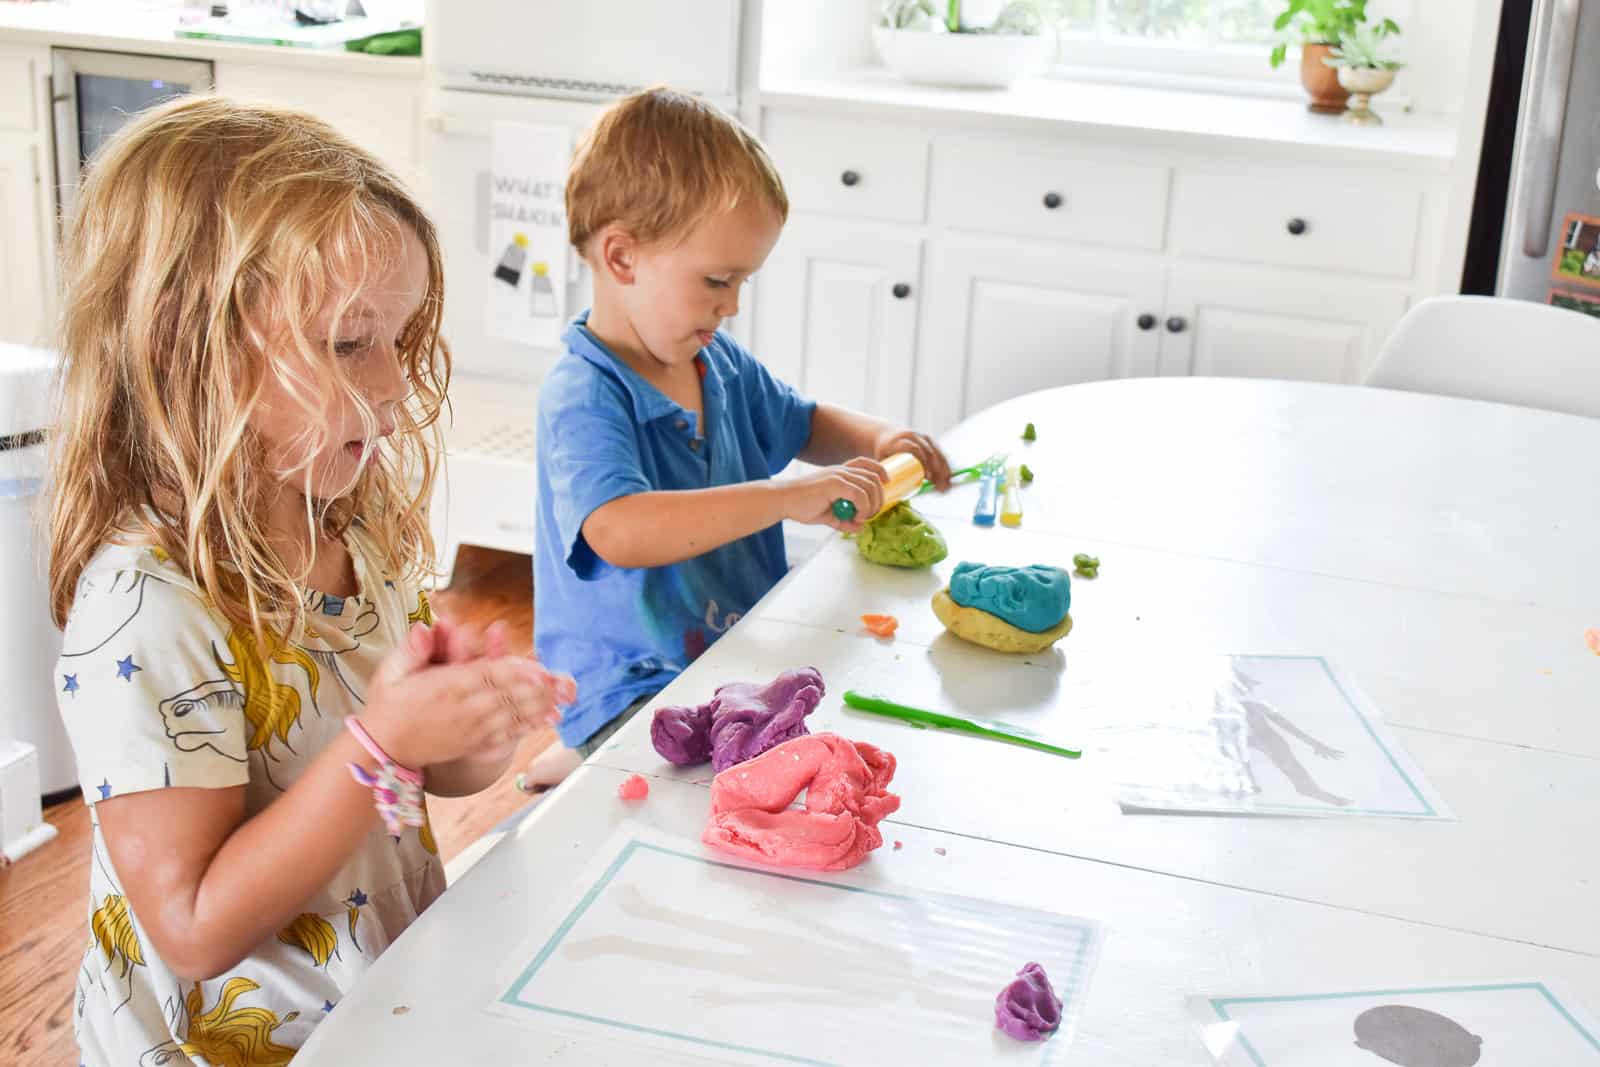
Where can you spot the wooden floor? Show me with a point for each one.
(43, 897)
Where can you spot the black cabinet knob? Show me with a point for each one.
(1177, 324)
(1147, 321)
(1297, 226)
(1052, 200)
(850, 177)
(901, 290)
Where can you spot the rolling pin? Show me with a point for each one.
(905, 481)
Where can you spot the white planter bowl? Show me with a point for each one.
(962, 60)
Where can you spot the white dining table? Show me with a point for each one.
(1445, 553)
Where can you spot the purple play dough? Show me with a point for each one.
(1027, 1008)
(741, 721)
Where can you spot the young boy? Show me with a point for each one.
(659, 524)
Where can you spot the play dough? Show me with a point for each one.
(1033, 598)
(634, 787)
(881, 625)
(1027, 1008)
(739, 722)
(845, 783)
(991, 631)
(901, 537)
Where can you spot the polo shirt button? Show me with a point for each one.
(695, 444)
(681, 424)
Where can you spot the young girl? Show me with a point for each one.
(250, 668)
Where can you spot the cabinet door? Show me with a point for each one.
(379, 112)
(835, 313)
(22, 262)
(1249, 323)
(1009, 317)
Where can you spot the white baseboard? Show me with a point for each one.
(22, 825)
(15, 850)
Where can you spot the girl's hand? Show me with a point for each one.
(465, 643)
(920, 445)
(424, 709)
(810, 499)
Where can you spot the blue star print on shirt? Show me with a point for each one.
(327, 1005)
(126, 667)
(105, 788)
(72, 684)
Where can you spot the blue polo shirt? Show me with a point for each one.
(605, 433)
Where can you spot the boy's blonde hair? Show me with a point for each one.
(660, 161)
(208, 236)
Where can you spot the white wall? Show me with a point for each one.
(813, 37)
(1437, 44)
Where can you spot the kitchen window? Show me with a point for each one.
(1197, 41)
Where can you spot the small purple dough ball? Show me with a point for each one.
(1027, 1008)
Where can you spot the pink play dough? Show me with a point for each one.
(846, 797)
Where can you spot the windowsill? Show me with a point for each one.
(1270, 120)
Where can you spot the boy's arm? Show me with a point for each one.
(838, 434)
(661, 528)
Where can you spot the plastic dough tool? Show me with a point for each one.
(988, 505)
(1016, 735)
(905, 481)
(1011, 499)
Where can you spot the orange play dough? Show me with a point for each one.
(882, 625)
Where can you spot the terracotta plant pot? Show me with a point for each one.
(1328, 97)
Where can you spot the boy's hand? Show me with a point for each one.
(934, 463)
(810, 499)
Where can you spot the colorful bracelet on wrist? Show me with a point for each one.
(396, 789)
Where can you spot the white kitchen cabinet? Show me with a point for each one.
(836, 312)
(379, 112)
(24, 287)
(1053, 257)
(1250, 323)
(1006, 317)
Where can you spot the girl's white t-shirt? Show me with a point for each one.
(158, 690)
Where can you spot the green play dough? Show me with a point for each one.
(901, 537)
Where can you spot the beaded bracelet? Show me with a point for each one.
(396, 790)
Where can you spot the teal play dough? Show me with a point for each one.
(1032, 598)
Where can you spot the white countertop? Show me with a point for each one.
(133, 27)
(1418, 142)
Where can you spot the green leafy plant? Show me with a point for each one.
(1362, 48)
(908, 15)
(1028, 17)
(1321, 22)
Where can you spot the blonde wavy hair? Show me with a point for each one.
(208, 237)
(660, 161)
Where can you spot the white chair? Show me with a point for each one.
(1488, 348)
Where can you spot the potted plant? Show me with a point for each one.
(1319, 25)
(1364, 70)
(962, 43)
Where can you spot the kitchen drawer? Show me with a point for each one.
(994, 188)
(1317, 221)
(871, 170)
(19, 89)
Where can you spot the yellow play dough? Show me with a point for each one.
(991, 631)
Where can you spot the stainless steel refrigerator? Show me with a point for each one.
(1536, 216)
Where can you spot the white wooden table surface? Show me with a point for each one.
(1441, 550)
